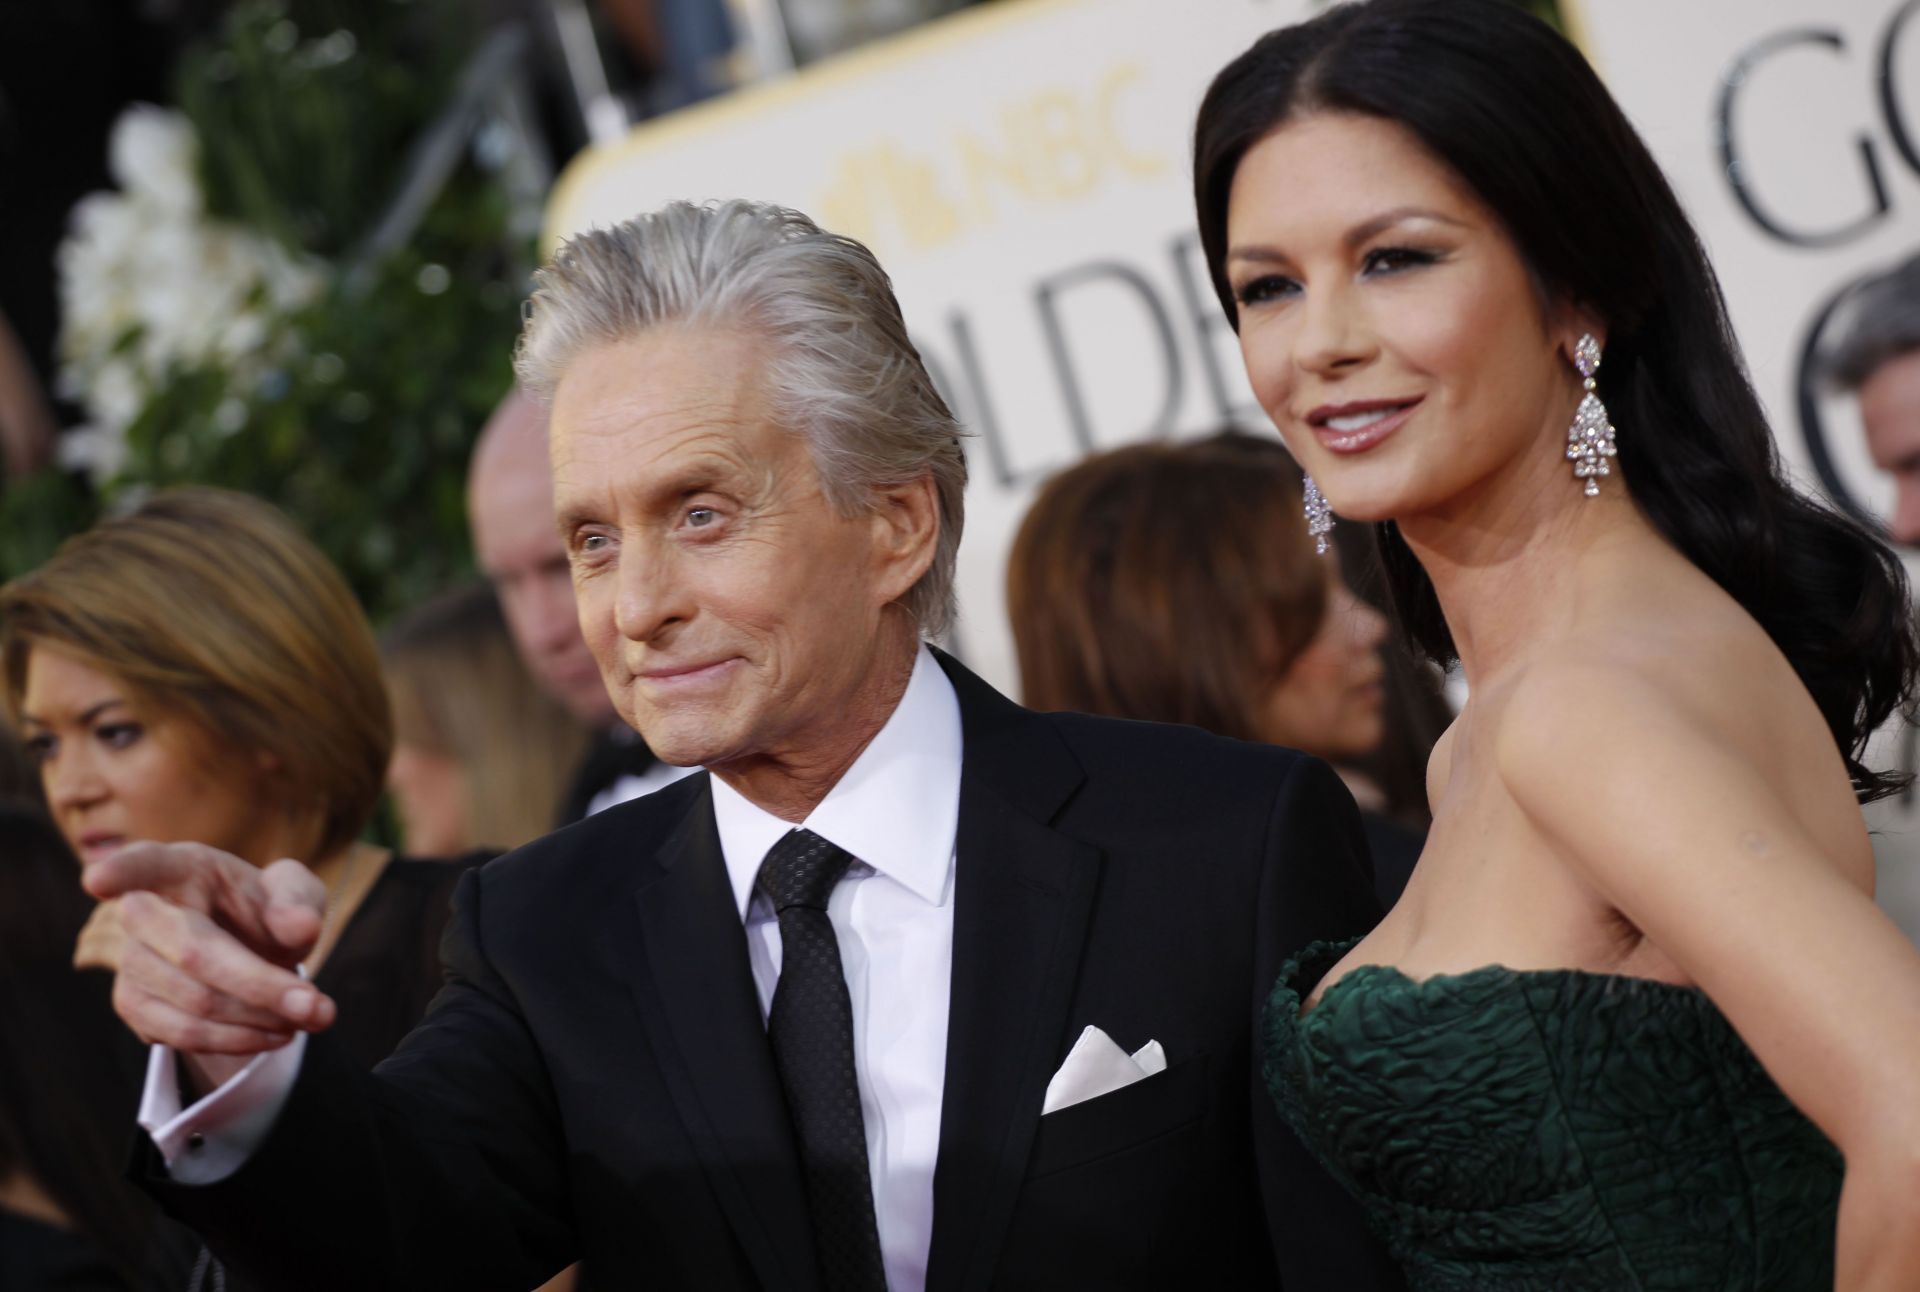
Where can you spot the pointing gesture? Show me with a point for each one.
(211, 944)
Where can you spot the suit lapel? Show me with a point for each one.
(694, 988)
(1022, 898)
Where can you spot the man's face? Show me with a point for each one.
(734, 613)
(511, 508)
(1890, 407)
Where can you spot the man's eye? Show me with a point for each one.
(701, 517)
(594, 543)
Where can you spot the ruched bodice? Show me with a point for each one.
(1554, 1129)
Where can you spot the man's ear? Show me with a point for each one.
(906, 530)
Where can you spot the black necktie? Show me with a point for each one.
(811, 1028)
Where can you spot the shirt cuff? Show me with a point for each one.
(208, 1142)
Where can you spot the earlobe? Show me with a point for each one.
(1579, 323)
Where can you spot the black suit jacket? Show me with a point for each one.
(612, 755)
(595, 1080)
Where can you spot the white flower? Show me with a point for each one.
(154, 156)
(149, 285)
(89, 449)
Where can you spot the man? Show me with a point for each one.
(510, 509)
(701, 1048)
(1879, 359)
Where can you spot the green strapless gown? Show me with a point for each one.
(1555, 1129)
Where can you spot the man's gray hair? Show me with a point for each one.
(843, 371)
(1884, 324)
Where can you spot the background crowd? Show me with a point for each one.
(280, 560)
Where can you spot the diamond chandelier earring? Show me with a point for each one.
(1319, 517)
(1590, 438)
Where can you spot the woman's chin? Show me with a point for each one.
(1362, 500)
(1364, 510)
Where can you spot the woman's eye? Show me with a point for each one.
(1258, 291)
(117, 735)
(1388, 260)
(40, 749)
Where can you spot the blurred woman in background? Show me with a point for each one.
(69, 1074)
(481, 755)
(197, 671)
(1177, 583)
(19, 781)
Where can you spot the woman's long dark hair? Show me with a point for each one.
(69, 1071)
(1516, 112)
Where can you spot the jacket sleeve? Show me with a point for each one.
(1317, 883)
(444, 1168)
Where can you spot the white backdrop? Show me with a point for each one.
(1022, 171)
(1791, 129)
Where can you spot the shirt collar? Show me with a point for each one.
(897, 808)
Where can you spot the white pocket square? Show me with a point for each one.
(1096, 1066)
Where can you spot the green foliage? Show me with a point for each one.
(305, 111)
(36, 514)
(363, 434)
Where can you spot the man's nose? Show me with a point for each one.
(1371, 627)
(651, 596)
(556, 616)
(1905, 526)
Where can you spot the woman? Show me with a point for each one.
(1177, 583)
(197, 671)
(481, 755)
(69, 1073)
(1636, 1008)
(19, 782)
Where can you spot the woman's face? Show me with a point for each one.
(1389, 326)
(1328, 702)
(116, 771)
(430, 794)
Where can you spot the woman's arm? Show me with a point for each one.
(1678, 830)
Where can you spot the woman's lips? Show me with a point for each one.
(1355, 428)
(96, 844)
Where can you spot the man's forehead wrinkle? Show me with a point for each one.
(658, 469)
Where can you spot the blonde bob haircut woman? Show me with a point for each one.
(482, 756)
(210, 606)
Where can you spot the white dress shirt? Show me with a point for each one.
(897, 810)
(629, 787)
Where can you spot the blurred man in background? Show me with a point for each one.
(1879, 359)
(517, 544)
